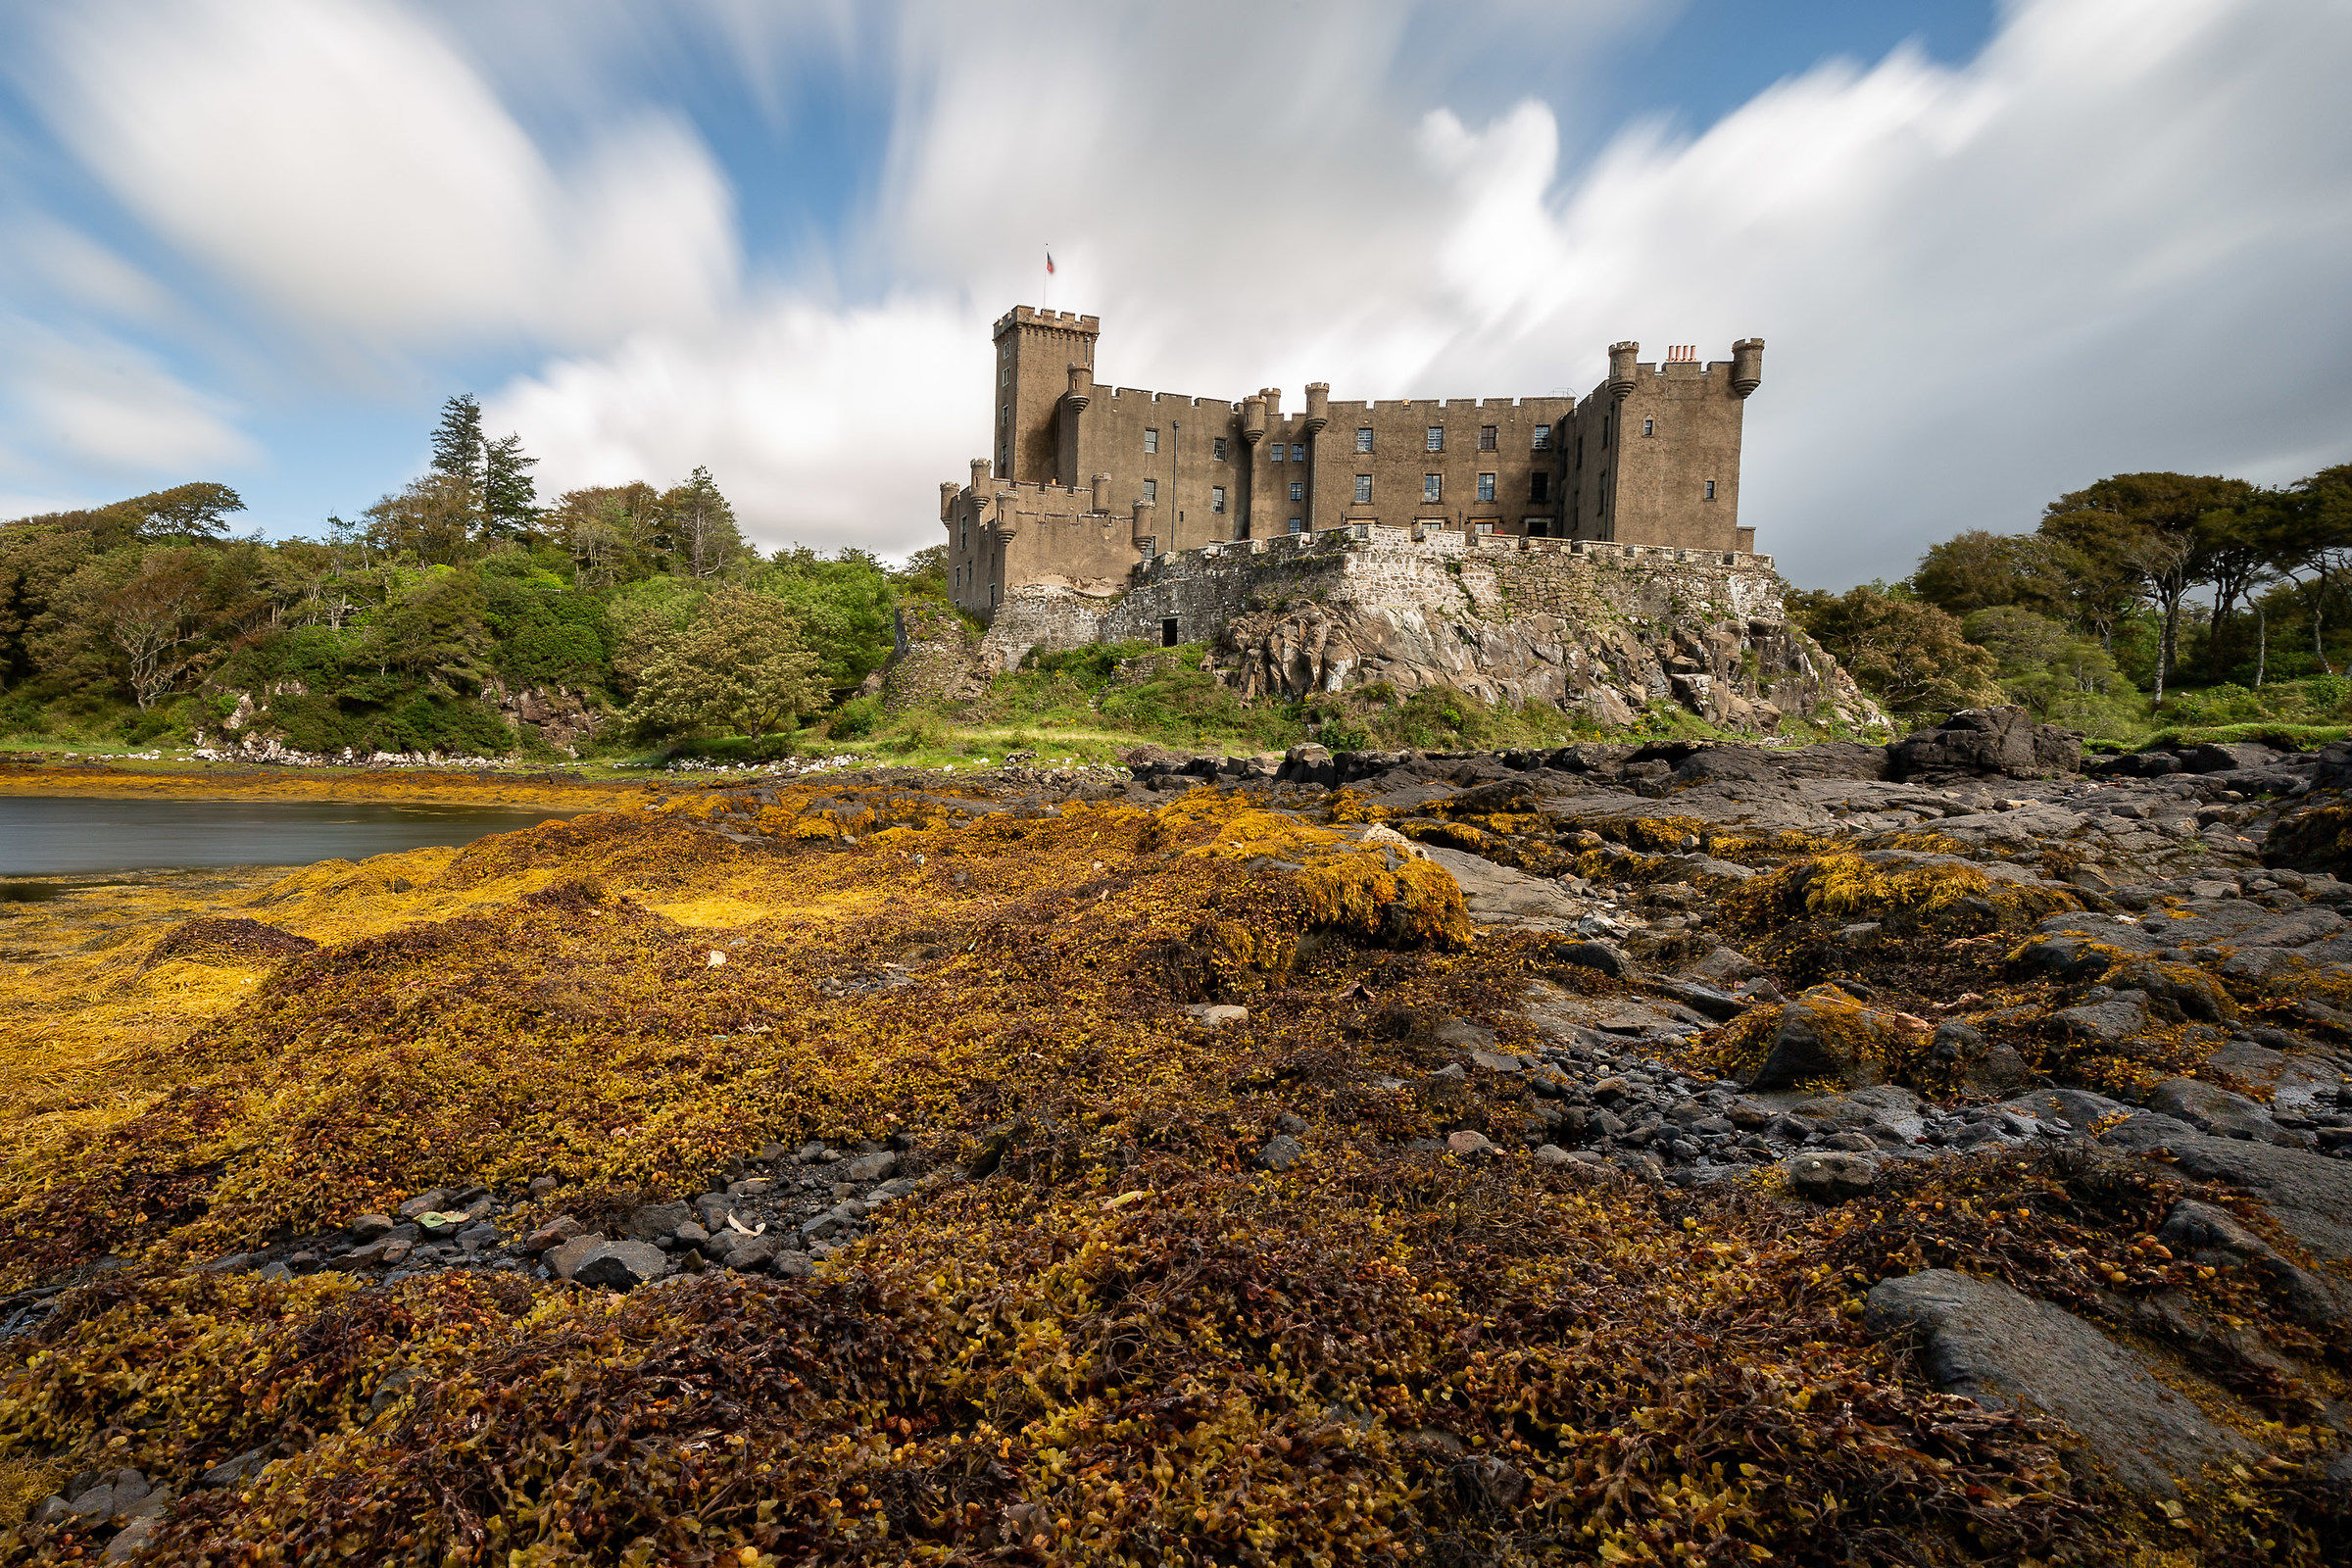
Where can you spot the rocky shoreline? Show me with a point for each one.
(1841, 981)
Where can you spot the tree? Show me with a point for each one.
(1907, 654)
(509, 498)
(701, 524)
(161, 611)
(434, 630)
(458, 449)
(2096, 556)
(1978, 570)
(611, 533)
(431, 521)
(843, 606)
(2054, 672)
(2312, 542)
(196, 510)
(2161, 528)
(738, 664)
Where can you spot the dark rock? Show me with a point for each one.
(228, 1472)
(2214, 1238)
(1826, 1034)
(563, 1228)
(1601, 955)
(656, 1220)
(1831, 1177)
(424, 1203)
(2008, 1350)
(1281, 1153)
(1987, 740)
(622, 1265)
(2218, 1111)
(2119, 1018)
(566, 1257)
(368, 1227)
(2309, 1194)
(868, 1169)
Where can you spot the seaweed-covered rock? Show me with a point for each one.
(1982, 1339)
(1825, 1033)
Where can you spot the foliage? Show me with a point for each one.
(1902, 651)
(843, 607)
(2057, 675)
(738, 663)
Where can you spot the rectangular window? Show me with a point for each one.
(1297, 452)
(1433, 487)
(1538, 487)
(1650, 428)
(1216, 448)
(1275, 455)
(1605, 422)
(1486, 488)
(1579, 451)
(1486, 438)
(1436, 438)
(1150, 440)
(1168, 630)
(1298, 526)
(1363, 489)
(1486, 527)
(1150, 489)
(1364, 439)
(1298, 489)
(1711, 489)
(1217, 498)
(1543, 438)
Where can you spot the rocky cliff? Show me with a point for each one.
(1604, 631)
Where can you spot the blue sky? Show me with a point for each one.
(1995, 251)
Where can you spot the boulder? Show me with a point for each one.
(1281, 1153)
(2008, 1350)
(656, 1220)
(566, 1257)
(1831, 1176)
(2216, 1238)
(2309, 1194)
(2002, 741)
(622, 1265)
(1826, 1034)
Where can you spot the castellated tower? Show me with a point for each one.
(1084, 481)
(1038, 353)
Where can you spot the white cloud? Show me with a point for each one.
(2112, 241)
(339, 161)
(103, 404)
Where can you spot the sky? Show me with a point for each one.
(1997, 251)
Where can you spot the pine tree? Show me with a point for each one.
(704, 538)
(458, 449)
(510, 501)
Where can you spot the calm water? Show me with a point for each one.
(49, 835)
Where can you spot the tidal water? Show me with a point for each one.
(66, 835)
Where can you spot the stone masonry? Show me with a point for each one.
(1085, 484)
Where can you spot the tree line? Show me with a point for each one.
(2122, 593)
(146, 617)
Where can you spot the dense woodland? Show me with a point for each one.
(142, 619)
(2144, 601)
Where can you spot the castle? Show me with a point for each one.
(1088, 483)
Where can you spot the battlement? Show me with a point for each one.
(1170, 399)
(1031, 316)
(1448, 543)
(1019, 490)
(1554, 404)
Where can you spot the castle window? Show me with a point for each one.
(1150, 440)
(1364, 439)
(1298, 489)
(1605, 422)
(1543, 438)
(1216, 448)
(1433, 487)
(1276, 453)
(1579, 451)
(1151, 490)
(1296, 526)
(1486, 438)
(1297, 452)
(1363, 489)
(1486, 528)
(1650, 428)
(1436, 438)
(1538, 487)
(1217, 498)
(1711, 489)
(1168, 632)
(1486, 488)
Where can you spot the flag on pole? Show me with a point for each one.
(1048, 262)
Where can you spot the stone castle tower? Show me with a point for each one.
(1085, 483)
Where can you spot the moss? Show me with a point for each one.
(1847, 887)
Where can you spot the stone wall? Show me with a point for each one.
(1603, 630)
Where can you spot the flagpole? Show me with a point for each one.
(1045, 298)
